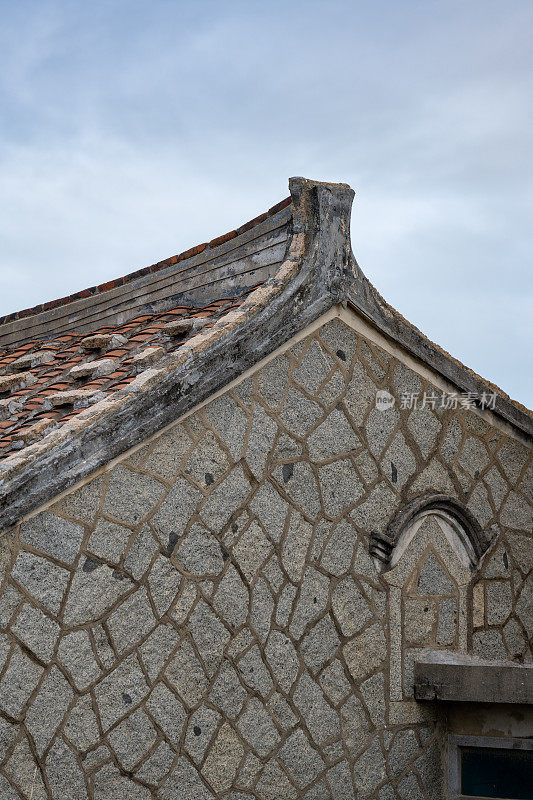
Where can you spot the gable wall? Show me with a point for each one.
(203, 616)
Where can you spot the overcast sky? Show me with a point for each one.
(131, 131)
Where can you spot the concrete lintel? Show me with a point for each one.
(455, 677)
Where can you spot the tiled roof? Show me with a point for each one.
(43, 382)
(50, 378)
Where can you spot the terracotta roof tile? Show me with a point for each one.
(144, 334)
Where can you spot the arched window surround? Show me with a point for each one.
(474, 538)
(459, 543)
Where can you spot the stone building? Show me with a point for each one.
(261, 538)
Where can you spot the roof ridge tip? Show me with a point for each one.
(313, 182)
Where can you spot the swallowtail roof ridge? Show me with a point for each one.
(86, 377)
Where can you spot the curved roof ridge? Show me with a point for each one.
(139, 273)
(490, 384)
(158, 377)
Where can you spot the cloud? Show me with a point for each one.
(132, 131)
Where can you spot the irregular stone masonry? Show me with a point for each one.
(204, 620)
(75, 369)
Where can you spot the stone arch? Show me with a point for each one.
(464, 525)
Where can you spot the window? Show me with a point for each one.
(487, 767)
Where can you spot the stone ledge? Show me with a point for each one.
(456, 677)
